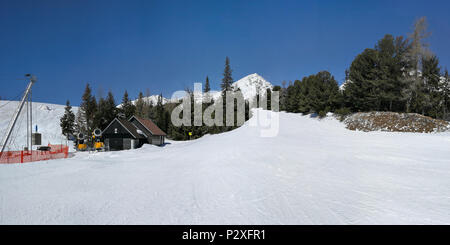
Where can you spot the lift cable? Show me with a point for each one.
(13, 99)
(15, 134)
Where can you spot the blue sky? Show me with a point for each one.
(168, 45)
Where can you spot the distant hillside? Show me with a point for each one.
(45, 116)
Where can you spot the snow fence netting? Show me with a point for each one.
(55, 152)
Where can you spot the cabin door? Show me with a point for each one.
(115, 144)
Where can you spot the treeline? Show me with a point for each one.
(399, 74)
(192, 132)
(98, 113)
(314, 94)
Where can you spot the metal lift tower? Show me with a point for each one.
(26, 98)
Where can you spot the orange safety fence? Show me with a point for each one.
(55, 152)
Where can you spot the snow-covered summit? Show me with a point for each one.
(153, 99)
(250, 84)
(344, 84)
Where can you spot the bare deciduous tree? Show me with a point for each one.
(418, 50)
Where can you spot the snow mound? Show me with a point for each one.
(394, 122)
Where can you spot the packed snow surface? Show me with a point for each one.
(313, 172)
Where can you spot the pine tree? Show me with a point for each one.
(148, 106)
(68, 121)
(140, 106)
(160, 116)
(227, 78)
(127, 106)
(376, 77)
(445, 88)
(110, 108)
(431, 87)
(387, 81)
(206, 102)
(99, 118)
(207, 86)
(165, 126)
(106, 111)
(226, 87)
(87, 109)
(283, 96)
(292, 97)
(206, 90)
(317, 93)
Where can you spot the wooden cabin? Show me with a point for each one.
(122, 134)
(155, 135)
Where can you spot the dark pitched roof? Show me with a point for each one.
(150, 125)
(130, 128)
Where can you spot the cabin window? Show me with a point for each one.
(115, 130)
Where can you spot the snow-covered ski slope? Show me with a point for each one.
(314, 172)
(45, 116)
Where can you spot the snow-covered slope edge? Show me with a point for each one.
(45, 116)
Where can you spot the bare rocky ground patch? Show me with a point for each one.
(395, 122)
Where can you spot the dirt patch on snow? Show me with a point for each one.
(394, 122)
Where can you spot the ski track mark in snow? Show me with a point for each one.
(314, 172)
